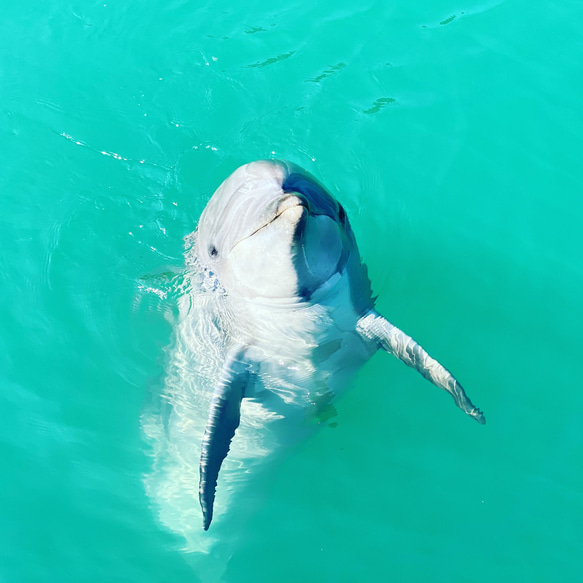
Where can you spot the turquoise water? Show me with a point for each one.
(451, 132)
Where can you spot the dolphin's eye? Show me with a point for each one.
(341, 214)
(213, 251)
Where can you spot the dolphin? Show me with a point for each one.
(293, 307)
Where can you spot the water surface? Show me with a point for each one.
(452, 136)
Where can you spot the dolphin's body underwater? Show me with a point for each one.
(291, 305)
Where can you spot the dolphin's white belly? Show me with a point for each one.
(304, 352)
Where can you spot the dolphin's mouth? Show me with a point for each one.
(289, 202)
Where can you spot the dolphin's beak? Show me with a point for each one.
(291, 201)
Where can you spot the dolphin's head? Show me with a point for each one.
(272, 231)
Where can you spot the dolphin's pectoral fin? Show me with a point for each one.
(223, 419)
(372, 326)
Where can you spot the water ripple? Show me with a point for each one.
(272, 60)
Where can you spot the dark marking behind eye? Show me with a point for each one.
(341, 214)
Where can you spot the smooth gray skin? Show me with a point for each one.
(272, 236)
